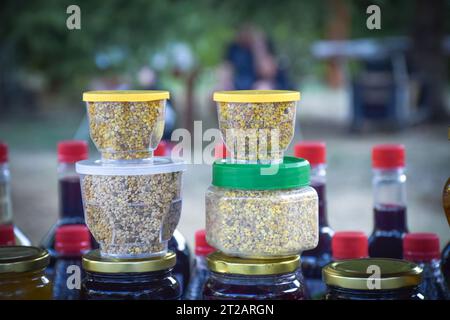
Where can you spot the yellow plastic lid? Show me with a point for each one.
(125, 95)
(255, 96)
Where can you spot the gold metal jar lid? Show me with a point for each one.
(94, 262)
(220, 263)
(16, 259)
(125, 95)
(372, 273)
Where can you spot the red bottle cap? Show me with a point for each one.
(72, 239)
(202, 248)
(71, 151)
(419, 247)
(388, 156)
(3, 152)
(349, 245)
(7, 237)
(221, 151)
(313, 151)
(161, 150)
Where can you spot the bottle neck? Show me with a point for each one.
(389, 192)
(6, 214)
(318, 182)
(70, 201)
(200, 262)
(389, 187)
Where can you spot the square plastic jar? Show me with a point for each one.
(257, 126)
(132, 210)
(253, 214)
(126, 125)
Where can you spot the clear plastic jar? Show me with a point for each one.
(252, 215)
(247, 279)
(132, 210)
(22, 274)
(121, 279)
(257, 125)
(372, 279)
(126, 125)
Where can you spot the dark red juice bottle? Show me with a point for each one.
(70, 202)
(71, 242)
(314, 260)
(178, 243)
(423, 249)
(200, 271)
(7, 227)
(389, 189)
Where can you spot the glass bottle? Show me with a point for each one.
(200, 270)
(177, 243)
(389, 189)
(71, 242)
(6, 213)
(70, 202)
(423, 249)
(314, 260)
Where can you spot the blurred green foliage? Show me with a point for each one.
(34, 37)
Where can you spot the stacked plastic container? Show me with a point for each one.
(131, 199)
(260, 206)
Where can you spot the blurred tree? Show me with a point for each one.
(34, 38)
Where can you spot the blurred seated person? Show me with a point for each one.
(251, 63)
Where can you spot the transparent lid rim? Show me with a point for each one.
(96, 167)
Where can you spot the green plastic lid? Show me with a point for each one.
(291, 173)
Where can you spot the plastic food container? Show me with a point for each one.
(253, 214)
(126, 125)
(257, 125)
(132, 210)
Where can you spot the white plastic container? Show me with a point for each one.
(132, 209)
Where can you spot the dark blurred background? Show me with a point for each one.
(359, 87)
